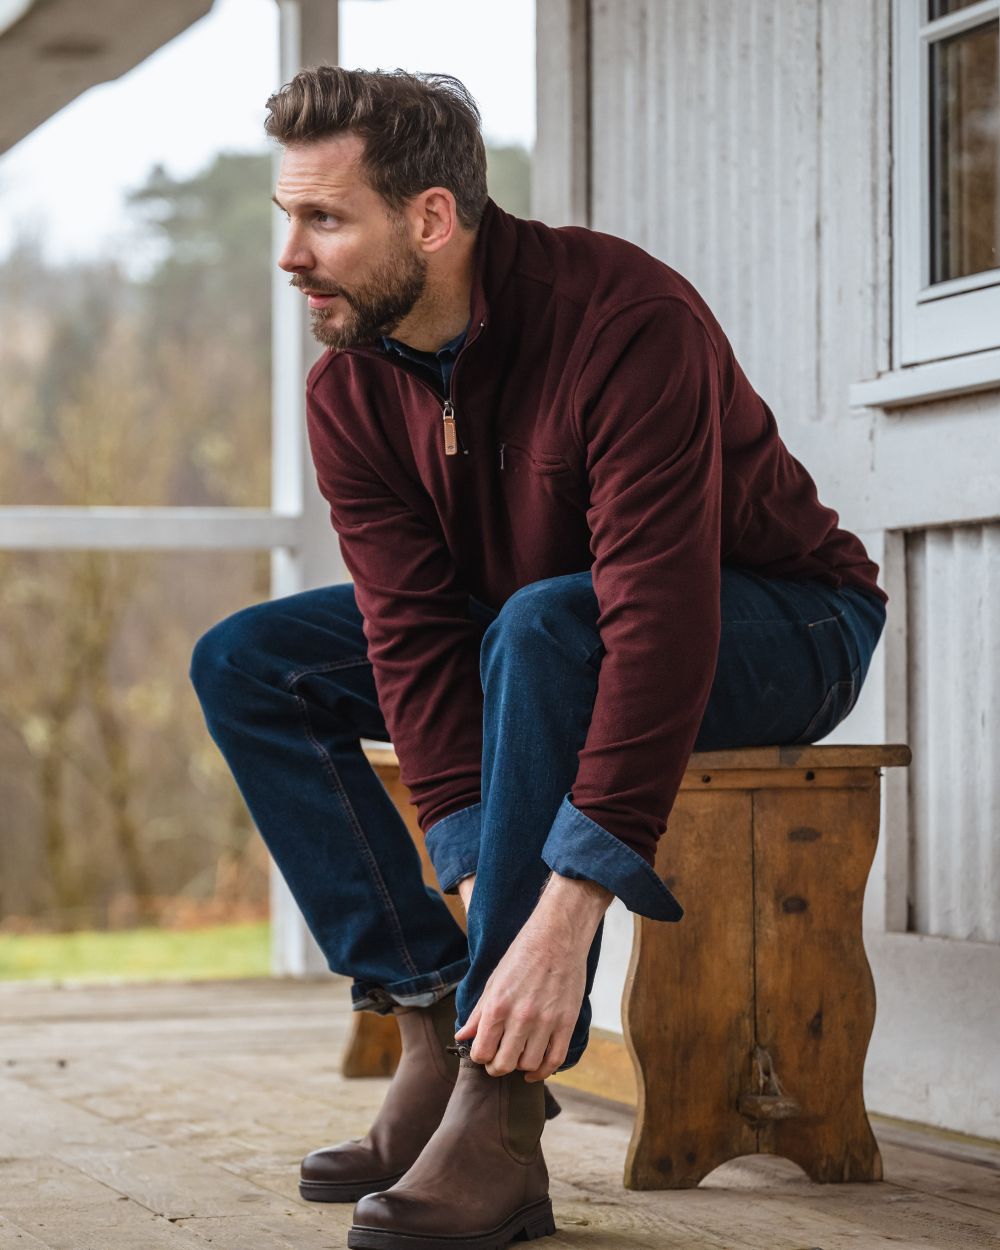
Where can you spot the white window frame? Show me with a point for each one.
(946, 319)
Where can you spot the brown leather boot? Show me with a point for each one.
(479, 1183)
(411, 1111)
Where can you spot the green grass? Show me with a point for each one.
(236, 950)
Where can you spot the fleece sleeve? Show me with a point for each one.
(421, 641)
(648, 410)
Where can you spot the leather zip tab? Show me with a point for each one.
(450, 436)
(502, 446)
(452, 439)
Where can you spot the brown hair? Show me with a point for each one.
(419, 130)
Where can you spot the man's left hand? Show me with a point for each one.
(527, 1011)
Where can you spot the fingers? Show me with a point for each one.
(508, 1052)
(536, 1050)
(533, 1054)
(555, 1054)
(486, 1042)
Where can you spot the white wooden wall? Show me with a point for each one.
(953, 596)
(747, 143)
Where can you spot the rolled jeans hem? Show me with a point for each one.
(421, 991)
(453, 846)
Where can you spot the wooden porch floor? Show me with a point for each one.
(175, 1115)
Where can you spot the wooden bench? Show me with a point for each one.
(747, 1023)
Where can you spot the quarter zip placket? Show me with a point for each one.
(452, 438)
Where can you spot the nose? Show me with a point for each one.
(295, 255)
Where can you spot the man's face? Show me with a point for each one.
(354, 259)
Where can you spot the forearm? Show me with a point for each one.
(585, 902)
(576, 906)
(541, 977)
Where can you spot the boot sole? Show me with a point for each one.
(344, 1191)
(530, 1222)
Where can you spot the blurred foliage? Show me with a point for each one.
(215, 279)
(116, 808)
(508, 174)
(236, 950)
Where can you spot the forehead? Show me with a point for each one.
(327, 169)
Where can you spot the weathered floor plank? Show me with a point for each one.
(174, 1116)
(14, 1238)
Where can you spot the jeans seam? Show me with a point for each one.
(854, 682)
(786, 621)
(329, 667)
(359, 836)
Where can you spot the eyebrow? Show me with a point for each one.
(323, 208)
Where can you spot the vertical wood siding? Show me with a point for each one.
(705, 153)
(953, 590)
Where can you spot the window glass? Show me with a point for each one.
(941, 8)
(965, 153)
(135, 281)
(116, 807)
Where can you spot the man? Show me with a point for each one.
(579, 550)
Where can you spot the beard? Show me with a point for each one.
(377, 305)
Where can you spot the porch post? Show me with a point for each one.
(307, 36)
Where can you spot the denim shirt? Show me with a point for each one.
(437, 364)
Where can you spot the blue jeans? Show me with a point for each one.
(287, 691)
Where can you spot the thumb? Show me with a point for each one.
(468, 1029)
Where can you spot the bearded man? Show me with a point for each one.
(580, 549)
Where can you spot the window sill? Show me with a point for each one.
(919, 384)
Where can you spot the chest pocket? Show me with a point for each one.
(516, 458)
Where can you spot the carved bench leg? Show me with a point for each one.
(373, 1048)
(687, 1007)
(748, 1022)
(814, 990)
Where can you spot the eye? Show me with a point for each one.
(324, 219)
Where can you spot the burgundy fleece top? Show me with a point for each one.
(598, 419)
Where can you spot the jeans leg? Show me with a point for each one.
(287, 691)
(539, 688)
(792, 657)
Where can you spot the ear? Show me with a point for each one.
(439, 222)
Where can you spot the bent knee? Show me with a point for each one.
(555, 612)
(222, 652)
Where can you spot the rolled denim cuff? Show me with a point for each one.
(453, 845)
(580, 848)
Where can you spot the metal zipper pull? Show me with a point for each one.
(450, 440)
(502, 446)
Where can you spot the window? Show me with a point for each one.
(144, 491)
(947, 187)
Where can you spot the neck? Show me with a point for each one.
(442, 312)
